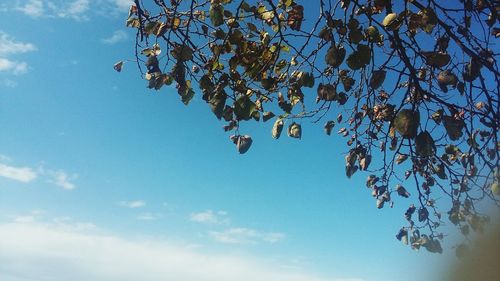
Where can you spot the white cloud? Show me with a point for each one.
(33, 8)
(240, 235)
(133, 204)
(27, 174)
(61, 179)
(123, 4)
(22, 174)
(75, 9)
(210, 217)
(43, 252)
(147, 217)
(118, 36)
(8, 45)
(13, 67)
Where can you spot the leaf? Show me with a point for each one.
(295, 130)
(335, 55)
(217, 103)
(424, 144)
(182, 53)
(329, 126)
(401, 158)
(436, 59)
(439, 171)
(118, 66)
(392, 22)
(364, 162)
(446, 78)
(377, 79)
(359, 58)
(295, 17)
(216, 13)
(453, 127)
(423, 214)
(277, 128)
(243, 143)
(402, 191)
(267, 115)
(326, 92)
(371, 180)
(406, 123)
(389, 19)
(244, 108)
(133, 22)
(372, 34)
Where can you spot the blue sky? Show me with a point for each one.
(103, 179)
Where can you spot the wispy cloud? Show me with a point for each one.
(148, 217)
(41, 251)
(241, 235)
(22, 174)
(32, 8)
(27, 174)
(14, 67)
(132, 204)
(76, 9)
(210, 217)
(62, 179)
(9, 46)
(116, 37)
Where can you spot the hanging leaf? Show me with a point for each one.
(267, 115)
(402, 236)
(377, 79)
(295, 130)
(401, 158)
(436, 59)
(216, 12)
(244, 108)
(182, 53)
(329, 126)
(439, 171)
(217, 104)
(243, 143)
(406, 123)
(402, 191)
(423, 214)
(335, 55)
(390, 21)
(425, 144)
(295, 17)
(277, 128)
(118, 66)
(453, 127)
(364, 162)
(326, 92)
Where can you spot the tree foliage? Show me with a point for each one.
(412, 86)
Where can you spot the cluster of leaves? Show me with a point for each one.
(433, 126)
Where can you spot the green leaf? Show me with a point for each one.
(244, 108)
(216, 12)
